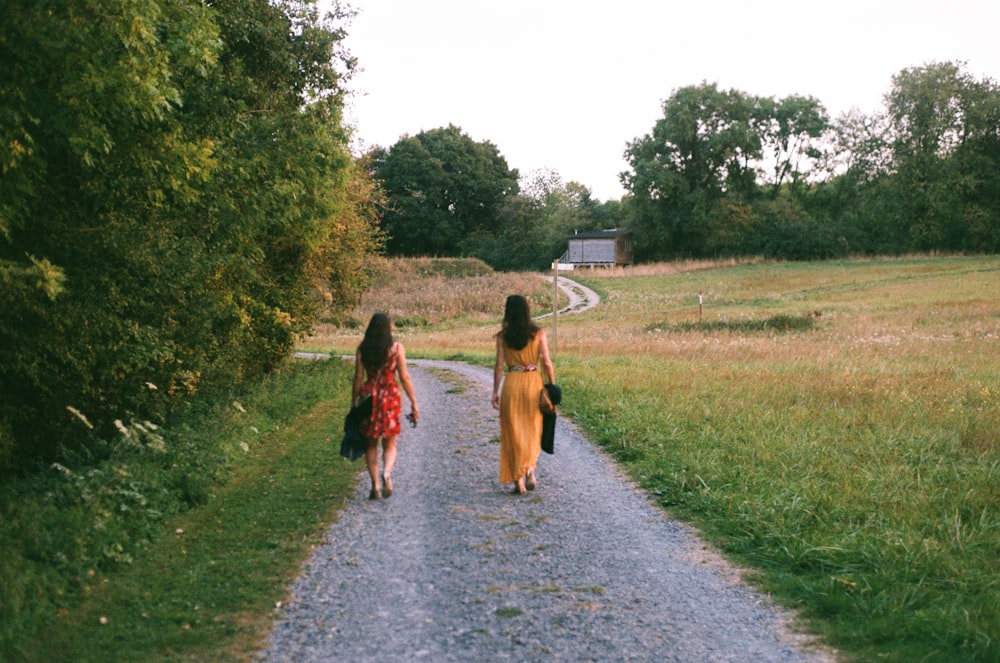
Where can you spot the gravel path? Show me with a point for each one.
(581, 298)
(455, 568)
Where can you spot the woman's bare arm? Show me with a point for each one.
(404, 379)
(545, 358)
(497, 374)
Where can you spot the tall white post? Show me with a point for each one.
(555, 304)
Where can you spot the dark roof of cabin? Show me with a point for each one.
(600, 234)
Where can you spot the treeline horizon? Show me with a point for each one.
(725, 173)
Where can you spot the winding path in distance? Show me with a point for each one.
(581, 298)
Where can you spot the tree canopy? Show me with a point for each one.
(448, 195)
(175, 178)
(728, 173)
(441, 187)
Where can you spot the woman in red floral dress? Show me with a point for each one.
(377, 363)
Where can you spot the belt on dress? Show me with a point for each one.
(522, 369)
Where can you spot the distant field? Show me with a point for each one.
(851, 458)
(427, 296)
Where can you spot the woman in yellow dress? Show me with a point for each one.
(524, 351)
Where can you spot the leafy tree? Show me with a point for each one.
(705, 146)
(926, 112)
(792, 128)
(979, 160)
(563, 209)
(921, 175)
(441, 187)
(694, 180)
(174, 174)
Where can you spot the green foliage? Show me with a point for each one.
(938, 116)
(774, 324)
(91, 541)
(703, 160)
(450, 196)
(724, 173)
(441, 186)
(537, 223)
(175, 184)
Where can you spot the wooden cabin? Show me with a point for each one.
(600, 248)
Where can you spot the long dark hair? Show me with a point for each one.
(518, 327)
(377, 342)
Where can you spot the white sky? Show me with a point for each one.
(565, 84)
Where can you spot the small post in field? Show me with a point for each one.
(555, 302)
(701, 306)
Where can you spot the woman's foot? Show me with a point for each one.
(529, 480)
(519, 487)
(375, 494)
(386, 486)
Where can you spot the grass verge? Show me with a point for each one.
(206, 588)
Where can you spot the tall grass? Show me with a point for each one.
(869, 501)
(428, 296)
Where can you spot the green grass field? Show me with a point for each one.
(831, 427)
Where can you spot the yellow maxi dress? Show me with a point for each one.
(520, 418)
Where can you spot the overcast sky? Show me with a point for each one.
(565, 84)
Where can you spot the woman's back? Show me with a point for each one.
(526, 356)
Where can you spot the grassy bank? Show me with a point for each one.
(428, 298)
(202, 583)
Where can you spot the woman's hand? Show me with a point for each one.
(495, 401)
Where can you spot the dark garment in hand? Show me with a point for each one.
(354, 444)
(549, 420)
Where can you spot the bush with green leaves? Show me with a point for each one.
(175, 182)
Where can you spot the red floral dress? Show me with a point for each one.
(387, 405)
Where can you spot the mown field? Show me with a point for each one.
(833, 427)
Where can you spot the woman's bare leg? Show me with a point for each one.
(371, 460)
(388, 461)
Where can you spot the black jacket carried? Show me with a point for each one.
(354, 444)
(549, 420)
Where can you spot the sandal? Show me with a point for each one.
(374, 495)
(386, 486)
(530, 482)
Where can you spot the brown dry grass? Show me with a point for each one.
(434, 303)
